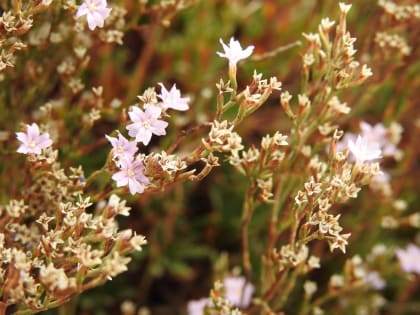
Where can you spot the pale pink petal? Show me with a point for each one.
(159, 127)
(135, 187)
(121, 178)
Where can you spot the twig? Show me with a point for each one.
(278, 50)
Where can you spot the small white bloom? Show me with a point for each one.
(234, 51)
(345, 8)
(96, 12)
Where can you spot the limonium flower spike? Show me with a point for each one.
(146, 123)
(363, 150)
(234, 52)
(122, 147)
(131, 175)
(172, 98)
(33, 141)
(96, 12)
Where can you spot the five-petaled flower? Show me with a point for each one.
(132, 174)
(146, 123)
(96, 12)
(363, 150)
(33, 141)
(234, 52)
(122, 147)
(172, 98)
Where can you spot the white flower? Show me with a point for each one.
(32, 140)
(196, 307)
(234, 51)
(345, 8)
(237, 291)
(409, 258)
(363, 150)
(96, 12)
(172, 98)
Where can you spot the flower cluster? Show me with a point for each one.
(299, 176)
(145, 123)
(54, 243)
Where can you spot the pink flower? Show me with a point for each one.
(378, 134)
(96, 12)
(146, 123)
(409, 258)
(32, 140)
(238, 291)
(131, 174)
(234, 52)
(196, 307)
(172, 99)
(122, 147)
(374, 280)
(363, 150)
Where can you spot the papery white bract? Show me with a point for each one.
(196, 307)
(131, 174)
(122, 147)
(172, 98)
(146, 123)
(234, 51)
(96, 12)
(238, 291)
(363, 150)
(409, 258)
(32, 140)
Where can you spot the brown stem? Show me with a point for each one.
(182, 135)
(3, 307)
(136, 81)
(248, 210)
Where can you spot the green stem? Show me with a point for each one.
(248, 210)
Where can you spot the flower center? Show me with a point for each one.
(146, 124)
(32, 144)
(130, 172)
(91, 7)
